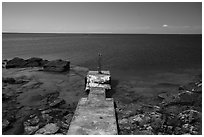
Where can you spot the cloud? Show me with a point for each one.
(165, 25)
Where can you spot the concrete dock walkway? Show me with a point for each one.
(94, 115)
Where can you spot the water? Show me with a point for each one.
(123, 55)
(142, 66)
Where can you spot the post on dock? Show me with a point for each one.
(99, 63)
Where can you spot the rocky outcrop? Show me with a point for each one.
(16, 63)
(21, 63)
(57, 66)
(35, 62)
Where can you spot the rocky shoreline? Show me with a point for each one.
(32, 96)
(176, 114)
(40, 97)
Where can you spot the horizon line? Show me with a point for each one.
(93, 33)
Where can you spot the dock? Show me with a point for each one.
(95, 115)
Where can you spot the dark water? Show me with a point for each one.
(124, 55)
(142, 66)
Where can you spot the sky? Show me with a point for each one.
(116, 17)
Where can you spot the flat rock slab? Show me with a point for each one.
(94, 118)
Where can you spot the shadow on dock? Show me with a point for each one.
(111, 92)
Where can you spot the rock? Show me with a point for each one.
(189, 116)
(16, 63)
(5, 124)
(48, 129)
(169, 129)
(47, 117)
(186, 128)
(46, 111)
(5, 97)
(34, 62)
(43, 62)
(8, 80)
(139, 119)
(181, 88)
(33, 121)
(156, 120)
(64, 125)
(32, 84)
(199, 84)
(163, 95)
(123, 121)
(172, 120)
(177, 131)
(157, 108)
(57, 102)
(57, 66)
(146, 132)
(13, 81)
(31, 129)
(68, 118)
(4, 62)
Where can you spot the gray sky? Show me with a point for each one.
(102, 17)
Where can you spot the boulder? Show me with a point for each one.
(34, 62)
(29, 130)
(48, 129)
(57, 66)
(16, 63)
